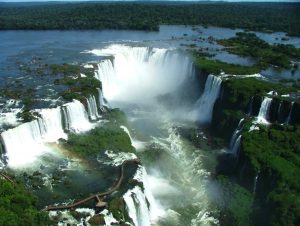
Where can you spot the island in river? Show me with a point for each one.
(216, 132)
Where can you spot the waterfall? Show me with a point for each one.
(205, 104)
(106, 74)
(137, 202)
(264, 110)
(236, 145)
(24, 143)
(92, 108)
(140, 74)
(102, 102)
(235, 135)
(75, 117)
(127, 131)
(288, 119)
(50, 124)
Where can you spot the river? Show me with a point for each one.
(155, 85)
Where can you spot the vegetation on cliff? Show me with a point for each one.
(240, 90)
(99, 139)
(148, 16)
(18, 206)
(268, 161)
(274, 154)
(109, 136)
(216, 66)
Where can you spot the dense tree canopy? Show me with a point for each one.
(148, 16)
(17, 206)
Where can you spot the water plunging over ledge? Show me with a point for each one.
(134, 79)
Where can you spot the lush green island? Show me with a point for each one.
(266, 17)
(260, 183)
(279, 56)
(249, 45)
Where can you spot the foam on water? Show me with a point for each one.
(133, 71)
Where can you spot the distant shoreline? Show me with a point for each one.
(148, 16)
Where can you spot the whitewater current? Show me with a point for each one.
(143, 82)
(133, 78)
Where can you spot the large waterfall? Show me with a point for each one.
(137, 201)
(264, 110)
(136, 204)
(205, 104)
(26, 142)
(50, 124)
(23, 144)
(76, 117)
(139, 74)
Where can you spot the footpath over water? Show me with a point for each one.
(97, 196)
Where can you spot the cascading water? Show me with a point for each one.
(288, 119)
(139, 74)
(264, 110)
(92, 108)
(136, 202)
(102, 102)
(106, 74)
(205, 104)
(135, 143)
(50, 124)
(132, 78)
(235, 136)
(75, 117)
(236, 145)
(24, 143)
(127, 131)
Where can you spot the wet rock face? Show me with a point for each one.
(202, 77)
(295, 116)
(97, 220)
(283, 111)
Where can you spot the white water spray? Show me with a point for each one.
(76, 118)
(236, 145)
(139, 74)
(233, 145)
(92, 108)
(264, 110)
(50, 124)
(23, 144)
(136, 202)
(205, 104)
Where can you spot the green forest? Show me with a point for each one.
(267, 17)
